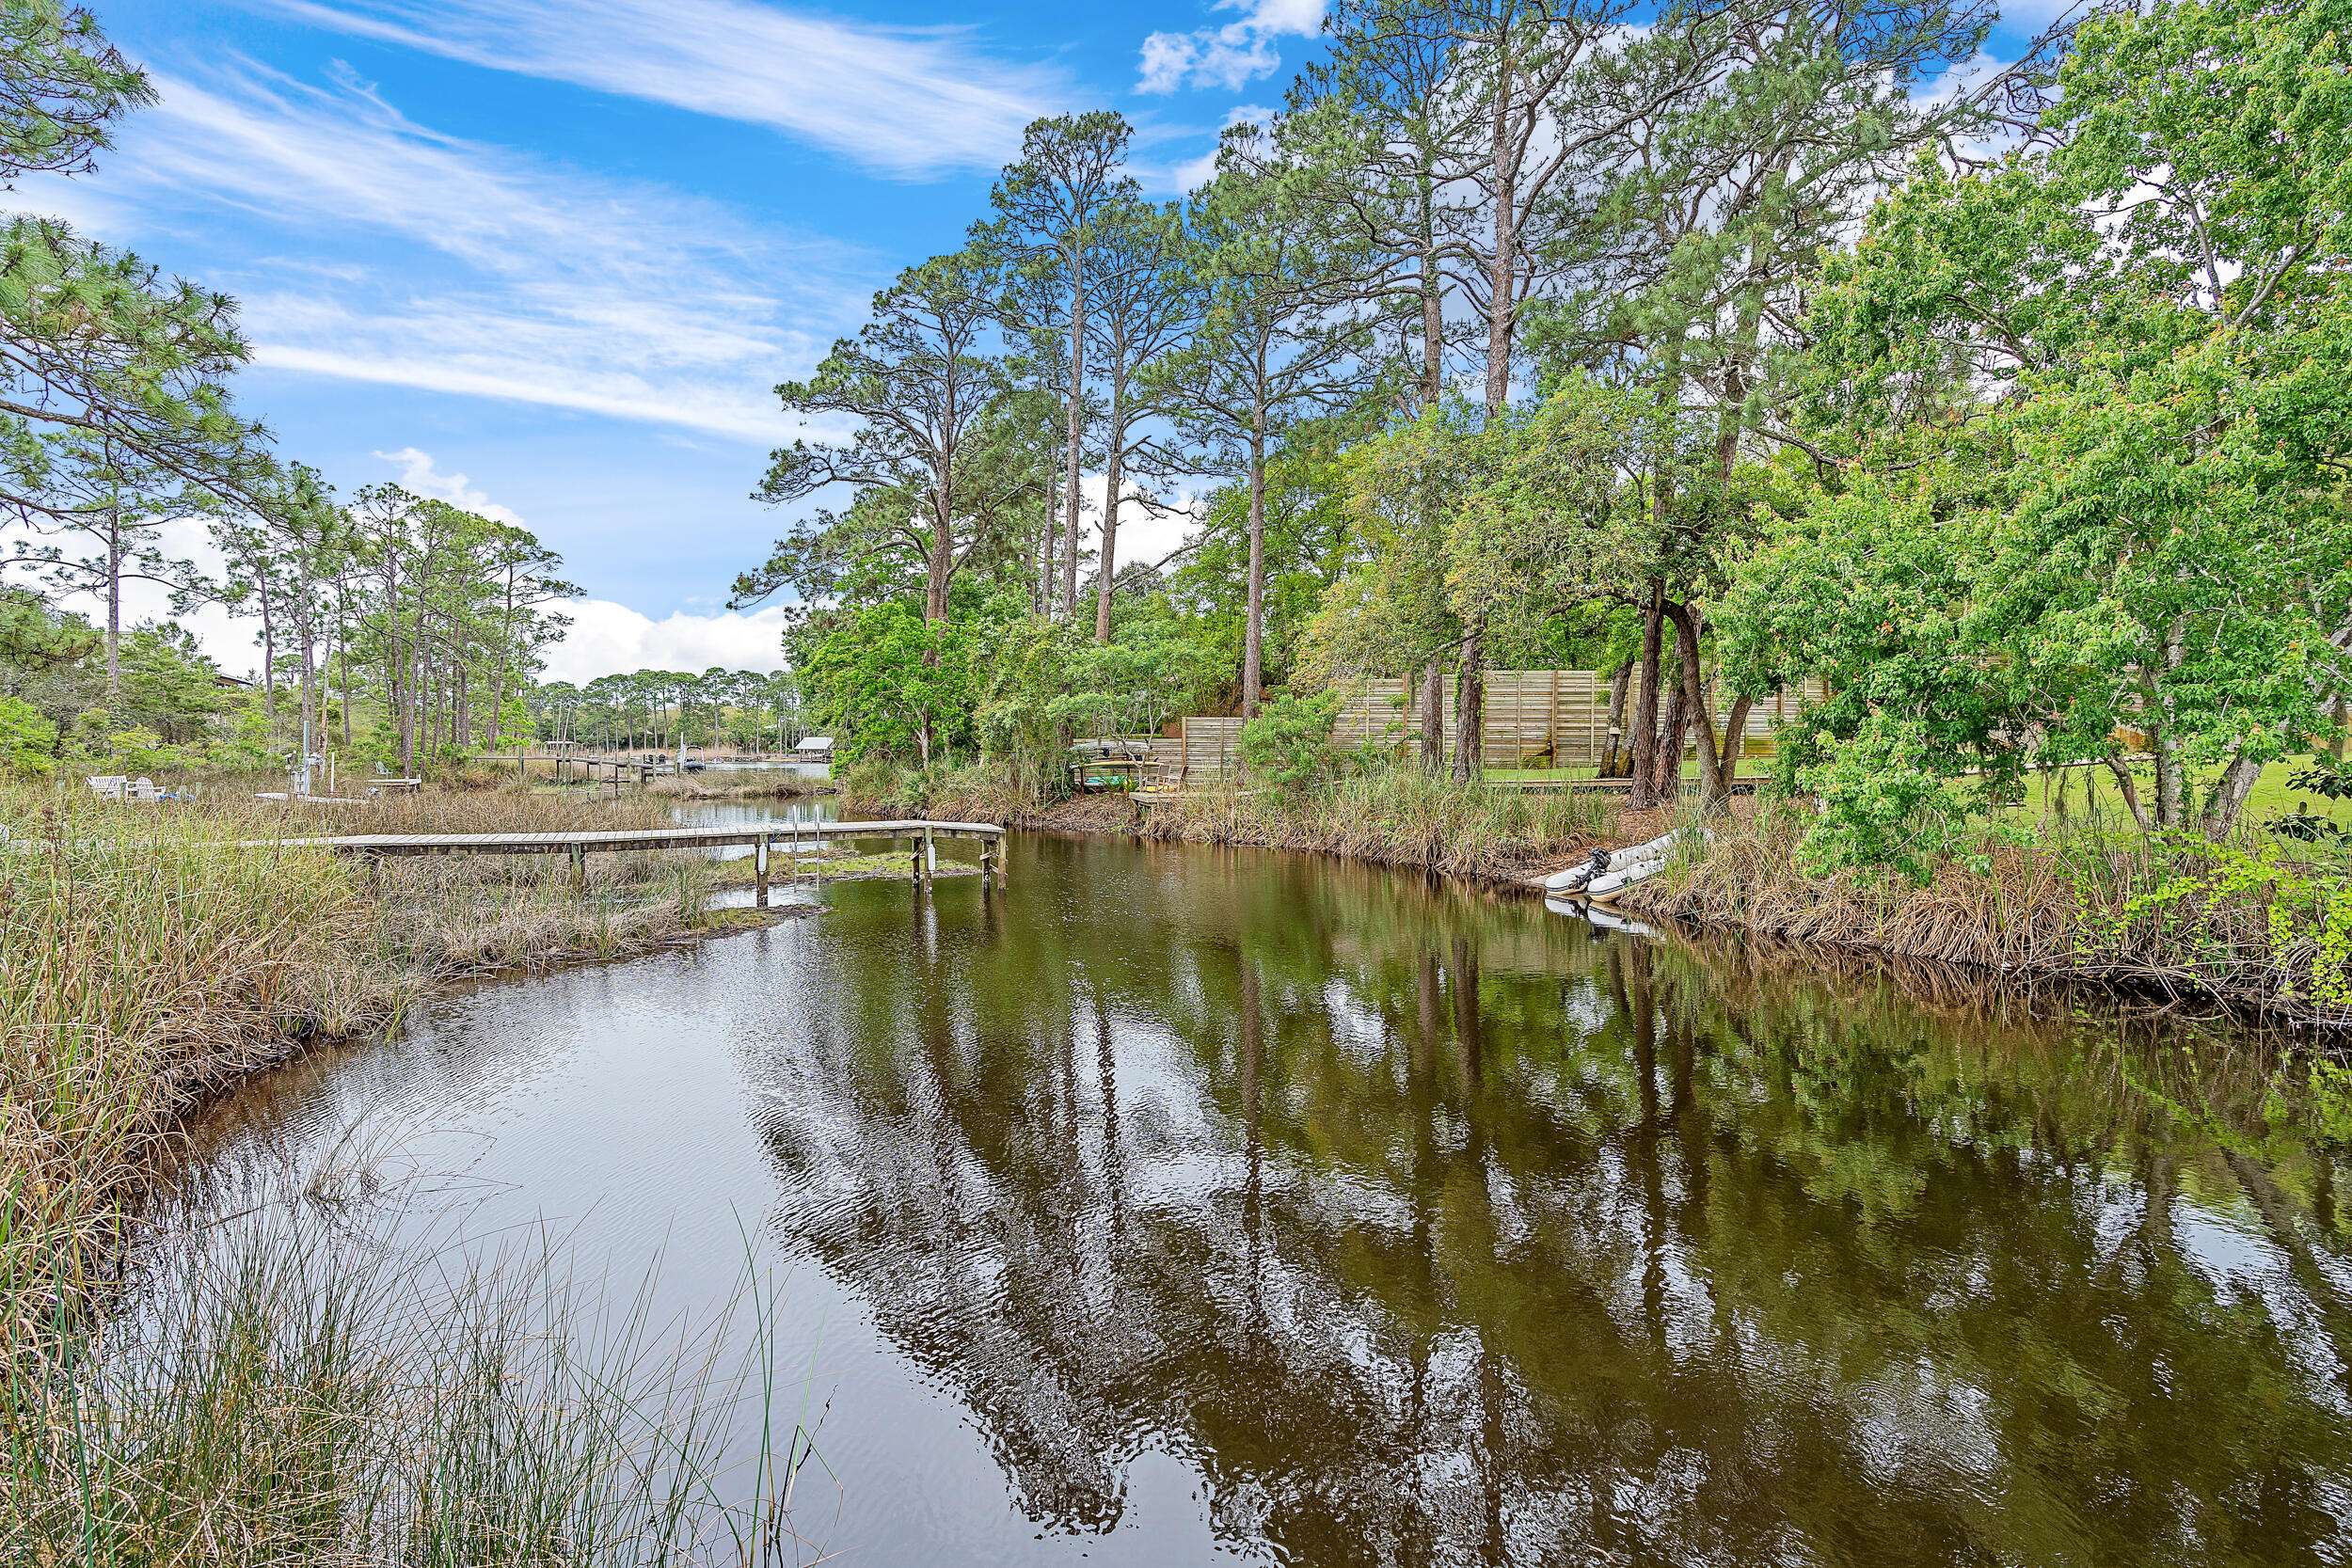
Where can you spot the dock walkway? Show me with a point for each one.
(756, 836)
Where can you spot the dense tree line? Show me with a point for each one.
(662, 708)
(118, 432)
(1723, 347)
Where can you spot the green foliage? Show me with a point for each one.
(2307, 917)
(29, 742)
(65, 81)
(1289, 744)
(2139, 536)
(886, 683)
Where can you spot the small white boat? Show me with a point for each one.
(1575, 877)
(1606, 887)
(1610, 872)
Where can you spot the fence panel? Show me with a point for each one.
(1534, 718)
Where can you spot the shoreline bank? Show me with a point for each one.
(2249, 933)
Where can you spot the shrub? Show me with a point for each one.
(1289, 744)
(29, 742)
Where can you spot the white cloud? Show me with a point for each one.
(607, 637)
(1226, 56)
(908, 102)
(507, 277)
(421, 476)
(611, 639)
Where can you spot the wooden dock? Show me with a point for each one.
(759, 837)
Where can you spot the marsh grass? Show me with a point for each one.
(302, 1408)
(152, 955)
(2247, 924)
(149, 955)
(1395, 815)
(290, 1396)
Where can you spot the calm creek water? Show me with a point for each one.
(1176, 1204)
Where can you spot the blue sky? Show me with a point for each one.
(548, 256)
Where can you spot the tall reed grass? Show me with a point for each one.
(137, 971)
(1398, 816)
(2250, 925)
(149, 956)
(301, 1410)
(287, 1397)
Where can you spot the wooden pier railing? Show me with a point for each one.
(757, 837)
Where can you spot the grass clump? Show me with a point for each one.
(1395, 814)
(148, 956)
(299, 1408)
(137, 971)
(293, 1398)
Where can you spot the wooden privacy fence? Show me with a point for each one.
(1558, 718)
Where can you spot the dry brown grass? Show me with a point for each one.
(2178, 917)
(1396, 816)
(745, 785)
(149, 954)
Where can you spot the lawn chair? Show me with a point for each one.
(108, 787)
(143, 788)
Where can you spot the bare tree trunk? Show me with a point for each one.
(1502, 278)
(2128, 786)
(1469, 715)
(1077, 426)
(114, 608)
(1432, 309)
(1715, 763)
(2229, 796)
(939, 560)
(1667, 781)
(269, 657)
(1253, 630)
(1644, 791)
(1045, 558)
(1735, 742)
(1114, 475)
(1612, 757)
(1433, 715)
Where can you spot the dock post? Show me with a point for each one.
(987, 860)
(579, 870)
(759, 865)
(930, 856)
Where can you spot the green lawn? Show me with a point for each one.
(2273, 795)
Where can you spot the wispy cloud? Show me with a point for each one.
(421, 476)
(484, 272)
(1226, 56)
(906, 102)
